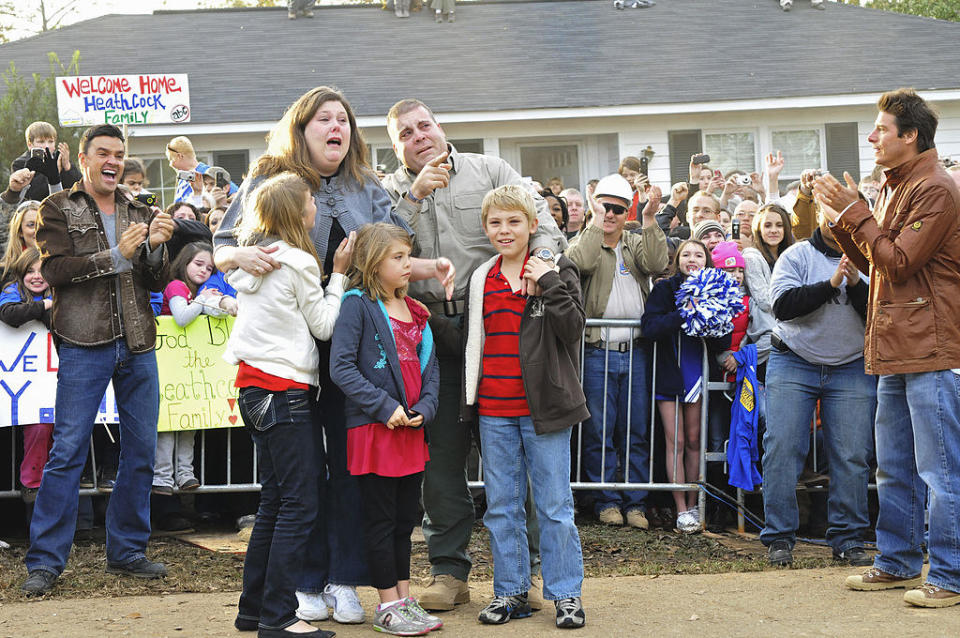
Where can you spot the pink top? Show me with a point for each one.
(376, 449)
(175, 288)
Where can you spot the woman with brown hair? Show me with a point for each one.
(318, 140)
(772, 235)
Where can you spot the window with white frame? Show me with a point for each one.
(733, 150)
(801, 148)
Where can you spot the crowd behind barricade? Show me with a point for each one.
(385, 326)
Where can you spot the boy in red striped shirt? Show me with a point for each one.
(522, 359)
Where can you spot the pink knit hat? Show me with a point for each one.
(727, 255)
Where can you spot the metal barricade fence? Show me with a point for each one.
(236, 469)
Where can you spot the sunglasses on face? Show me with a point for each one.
(616, 209)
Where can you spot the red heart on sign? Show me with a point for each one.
(233, 419)
(232, 403)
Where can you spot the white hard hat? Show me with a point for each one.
(614, 186)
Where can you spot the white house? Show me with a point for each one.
(558, 88)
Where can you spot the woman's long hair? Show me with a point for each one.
(278, 212)
(761, 245)
(287, 147)
(15, 243)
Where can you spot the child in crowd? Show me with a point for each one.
(23, 300)
(679, 377)
(135, 176)
(522, 362)
(384, 359)
(22, 234)
(43, 169)
(190, 270)
(272, 342)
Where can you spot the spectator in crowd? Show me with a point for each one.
(214, 217)
(318, 139)
(515, 343)
(135, 176)
(701, 206)
(558, 209)
(910, 244)
(43, 169)
(182, 157)
(575, 210)
(804, 220)
(27, 298)
(422, 191)
(443, 8)
(555, 185)
(616, 268)
(679, 377)
(630, 170)
(744, 213)
(22, 234)
(738, 187)
(819, 300)
(300, 8)
(182, 210)
(786, 5)
(217, 187)
(709, 232)
(673, 213)
(771, 236)
(89, 283)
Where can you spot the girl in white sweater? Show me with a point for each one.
(280, 314)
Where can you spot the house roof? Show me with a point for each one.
(249, 65)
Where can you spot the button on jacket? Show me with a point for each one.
(910, 245)
(93, 303)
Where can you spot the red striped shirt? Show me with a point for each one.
(501, 390)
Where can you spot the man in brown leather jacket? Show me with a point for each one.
(101, 254)
(911, 245)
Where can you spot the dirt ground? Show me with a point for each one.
(804, 602)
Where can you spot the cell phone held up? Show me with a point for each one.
(37, 153)
(735, 229)
(644, 165)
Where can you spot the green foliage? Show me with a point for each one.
(940, 9)
(26, 100)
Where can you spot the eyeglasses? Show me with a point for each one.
(616, 209)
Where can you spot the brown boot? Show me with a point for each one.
(928, 595)
(535, 594)
(443, 591)
(874, 580)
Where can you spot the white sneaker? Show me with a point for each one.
(687, 523)
(311, 606)
(786, 5)
(345, 603)
(695, 512)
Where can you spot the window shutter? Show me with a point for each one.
(235, 162)
(843, 149)
(683, 144)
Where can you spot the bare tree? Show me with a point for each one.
(36, 16)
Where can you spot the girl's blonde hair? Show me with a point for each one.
(15, 243)
(278, 212)
(287, 147)
(19, 268)
(372, 246)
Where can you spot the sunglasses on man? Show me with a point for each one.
(616, 209)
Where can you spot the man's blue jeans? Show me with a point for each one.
(511, 449)
(81, 381)
(918, 448)
(618, 397)
(848, 403)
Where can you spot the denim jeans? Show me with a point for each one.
(334, 553)
(81, 381)
(848, 403)
(918, 448)
(512, 449)
(618, 397)
(282, 427)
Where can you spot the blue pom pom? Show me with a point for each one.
(708, 301)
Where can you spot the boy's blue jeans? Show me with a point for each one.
(81, 381)
(918, 447)
(511, 449)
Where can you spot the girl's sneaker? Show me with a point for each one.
(687, 523)
(430, 621)
(502, 608)
(570, 613)
(398, 619)
(345, 603)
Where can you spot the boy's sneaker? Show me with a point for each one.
(432, 622)
(345, 602)
(399, 619)
(570, 613)
(502, 608)
(310, 606)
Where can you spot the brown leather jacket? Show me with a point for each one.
(911, 246)
(78, 266)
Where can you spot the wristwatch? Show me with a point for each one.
(545, 254)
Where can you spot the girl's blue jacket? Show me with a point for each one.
(365, 364)
(662, 323)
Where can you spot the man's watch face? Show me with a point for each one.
(544, 254)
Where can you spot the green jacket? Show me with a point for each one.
(644, 254)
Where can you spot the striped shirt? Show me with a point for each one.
(501, 390)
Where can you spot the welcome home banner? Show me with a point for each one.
(196, 384)
(123, 99)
